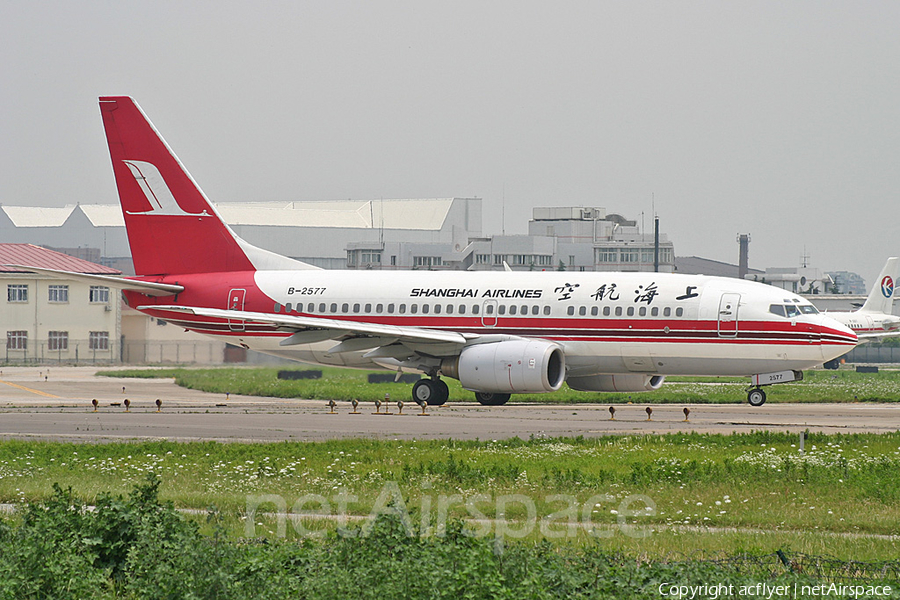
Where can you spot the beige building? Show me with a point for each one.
(48, 319)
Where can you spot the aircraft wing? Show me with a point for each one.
(148, 288)
(353, 335)
(869, 337)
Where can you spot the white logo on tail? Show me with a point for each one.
(158, 194)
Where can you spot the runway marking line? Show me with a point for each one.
(27, 389)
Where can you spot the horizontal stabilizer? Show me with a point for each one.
(148, 288)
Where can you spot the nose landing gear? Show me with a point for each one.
(757, 397)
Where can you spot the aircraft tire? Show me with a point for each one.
(756, 397)
(443, 393)
(433, 392)
(489, 399)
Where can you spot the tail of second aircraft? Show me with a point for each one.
(172, 227)
(881, 298)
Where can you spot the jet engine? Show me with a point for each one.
(513, 366)
(616, 383)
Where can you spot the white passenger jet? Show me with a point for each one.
(875, 319)
(498, 333)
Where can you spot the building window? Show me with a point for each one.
(58, 340)
(17, 340)
(99, 294)
(58, 293)
(427, 261)
(98, 340)
(16, 292)
(482, 259)
(629, 256)
(370, 257)
(607, 255)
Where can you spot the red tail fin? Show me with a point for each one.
(172, 227)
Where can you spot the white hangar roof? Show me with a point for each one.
(420, 214)
(362, 214)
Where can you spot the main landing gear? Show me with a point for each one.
(756, 396)
(433, 392)
(489, 399)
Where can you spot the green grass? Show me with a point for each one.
(840, 498)
(139, 547)
(346, 384)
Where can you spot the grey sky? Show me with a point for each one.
(781, 119)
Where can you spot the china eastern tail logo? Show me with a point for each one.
(887, 286)
(158, 194)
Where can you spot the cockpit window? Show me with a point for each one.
(792, 310)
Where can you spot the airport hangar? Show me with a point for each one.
(442, 233)
(436, 234)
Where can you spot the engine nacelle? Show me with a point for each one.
(510, 367)
(616, 383)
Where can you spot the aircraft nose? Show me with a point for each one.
(837, 338)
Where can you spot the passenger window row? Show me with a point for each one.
(463, 309)
(629, 312)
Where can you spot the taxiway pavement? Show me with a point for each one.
(56, 405)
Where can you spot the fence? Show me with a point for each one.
(873, 354)
(82, 352)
